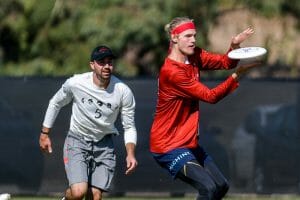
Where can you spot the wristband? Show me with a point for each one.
(43, 132)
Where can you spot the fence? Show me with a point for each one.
(253, 135)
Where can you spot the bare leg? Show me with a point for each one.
(77, 191)
(94, 194)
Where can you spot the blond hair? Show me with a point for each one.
(175, 22)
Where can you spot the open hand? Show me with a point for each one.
(241, 37)
(243, 69)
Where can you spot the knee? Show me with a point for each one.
(78, 192)
(208, 191)
(222, 190)
(225, 186)
(97, 194)
(212, 191)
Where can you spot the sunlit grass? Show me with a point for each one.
(230, 197)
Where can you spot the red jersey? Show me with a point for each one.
(176, 118)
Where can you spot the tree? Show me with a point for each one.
(55, 37)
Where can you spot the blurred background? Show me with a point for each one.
(253, 134)
(55, 37)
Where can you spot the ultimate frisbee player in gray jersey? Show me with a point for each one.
(97, 98)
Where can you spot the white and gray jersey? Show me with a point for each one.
(94, 110)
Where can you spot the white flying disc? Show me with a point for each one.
(247, 52)
(5, 196)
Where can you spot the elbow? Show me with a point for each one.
(232, 64)
(212, 99)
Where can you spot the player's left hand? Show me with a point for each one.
(131, 164)
(241, 37)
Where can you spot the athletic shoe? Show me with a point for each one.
(4, 196)
(64, 198)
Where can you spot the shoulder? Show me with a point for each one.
(173, 71)
(171, 67)
(120, 85)
(78, 78)
(83, 76)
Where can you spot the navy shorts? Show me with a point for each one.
(174, 160)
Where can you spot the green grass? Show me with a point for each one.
(234, 197)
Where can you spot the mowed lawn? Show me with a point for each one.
(235, 197)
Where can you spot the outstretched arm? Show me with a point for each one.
(241, 37)
(243, 69)
(219, 61)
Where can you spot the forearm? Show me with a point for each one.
(130, 135)
(213, 61)
(130, 149)
(58, 101)
(50, 116)
(61, 98)
(234, 45)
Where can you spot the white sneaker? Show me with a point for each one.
(4, 196)
(64, 198)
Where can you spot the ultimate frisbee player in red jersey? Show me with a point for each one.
(174, 133)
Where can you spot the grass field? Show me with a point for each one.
(235, 197)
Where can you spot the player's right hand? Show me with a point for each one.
(45, 143)
(243, 69)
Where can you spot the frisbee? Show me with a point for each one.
(247, 52)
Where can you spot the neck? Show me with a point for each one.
(177, 56)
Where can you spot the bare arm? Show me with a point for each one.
(131, 162)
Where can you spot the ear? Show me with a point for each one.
(174, 38)
(92, 65)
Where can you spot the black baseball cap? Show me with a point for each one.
(101, 52)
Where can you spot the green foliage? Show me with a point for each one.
(272, 8)
(55, 37)
(292, 7)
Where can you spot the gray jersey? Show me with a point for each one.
(94, 110)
